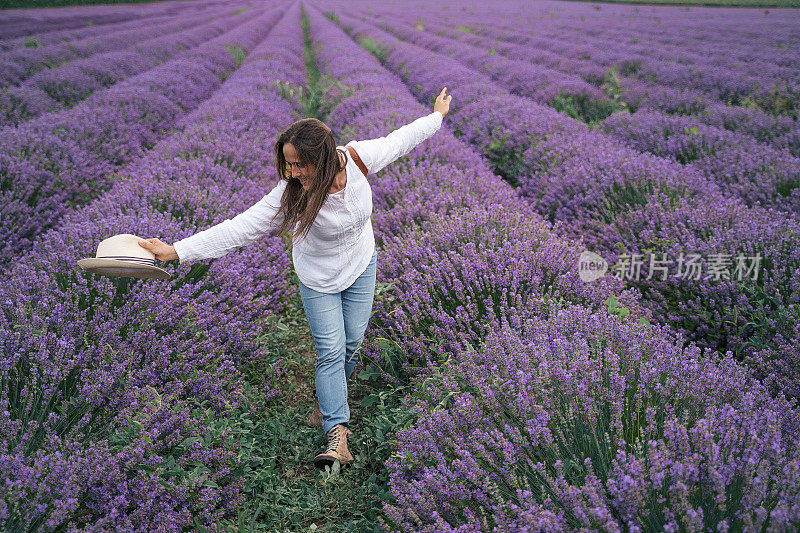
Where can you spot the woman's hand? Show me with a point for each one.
(442, 104)
(162, 250)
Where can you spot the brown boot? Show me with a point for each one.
(315, 420)
(337, 448)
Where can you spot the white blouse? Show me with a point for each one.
(340, 243)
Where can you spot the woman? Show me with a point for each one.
(324, 195)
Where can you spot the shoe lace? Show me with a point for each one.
(334, 437)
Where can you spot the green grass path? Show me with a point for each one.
(284, 491)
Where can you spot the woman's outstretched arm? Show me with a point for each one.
(226, 236)
(377, 153)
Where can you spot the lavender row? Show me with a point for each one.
(643, 82)
(578, 51)
(780, 131)
(600, 191)
(545, 422)
(590, 106)
(65, 86)
(19, 65)
(759, 174)
(523, 139)
(738, 164)
(684, 49)
(566, 32)
(24, 61)
(90, 30)
(20, 22)
(720, 31)
(633, 93)
(637, 88)
(28, 22)
(159, 363)
(583, 421)
(485, 39)
(60, 160)
(562, 91)
(674, 66)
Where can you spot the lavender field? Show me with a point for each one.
(503, 385)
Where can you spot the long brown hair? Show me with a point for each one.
(315, 145)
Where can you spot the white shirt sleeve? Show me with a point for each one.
(241, 230)
(377, 153)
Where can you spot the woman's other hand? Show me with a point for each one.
(162, 250)
(442, 104)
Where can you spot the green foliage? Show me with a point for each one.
(333, 17)
(237, 52)
(465, 29)
(753, 320)
(289, 92)
(778, 101)
(612, 88)
(372, 46)
(564, 104)
(623, 197)
(786, 187)
(391, 362)
(615, 309)
(315, 100)
(174, 467)
(507, 161)
(322, 92)
(283, 490)
(629, 67)
(591, 111)
(240, 11)
(695, 149)
(32, 43)
(308, 48)
(761, 327)
(63, 401)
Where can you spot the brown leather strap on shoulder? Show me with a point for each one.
(358, 160)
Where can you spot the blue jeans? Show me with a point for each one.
(337, 322)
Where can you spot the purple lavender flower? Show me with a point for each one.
(150, 368)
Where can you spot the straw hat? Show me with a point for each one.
(122, 256)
